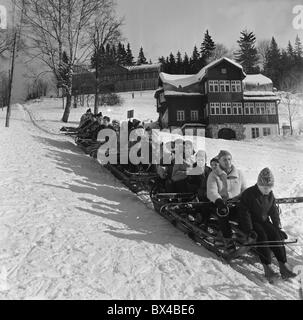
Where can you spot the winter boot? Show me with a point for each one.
(269, 273)
(285, 272)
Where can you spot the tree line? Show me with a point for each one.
(284, 66)
(117, 54)
(66, 33)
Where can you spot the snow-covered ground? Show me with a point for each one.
(70, 230)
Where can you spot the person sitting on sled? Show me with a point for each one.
(86, 118)
(224, 183)
(184, 161)
(214, 163)
(197, 183)
(165, 168)
(259, 219)
(197, 176)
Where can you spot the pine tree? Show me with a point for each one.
(207, 48)
(290, 49)
(185, 64)
(98, 59)
(113, 53)
(129, 56)
(141, 58)
(172, 63)
(120, 54)
(247, 56)
(194, 61)
(298, 48)
(272, 65)
(179, 63)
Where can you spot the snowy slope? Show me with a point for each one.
(70, 230)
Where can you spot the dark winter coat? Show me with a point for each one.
(198, 184)
(257, 208)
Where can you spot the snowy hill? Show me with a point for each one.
(70, 230)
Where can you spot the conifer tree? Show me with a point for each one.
(179, 63)
(298, 48)
(186, 65)
(207, 48)
(141, 58)
(247, 55)
(272, 65)
(129, 56)
(172, 63)
(194, 60)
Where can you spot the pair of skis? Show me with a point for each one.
(231, 201)
(205, 238)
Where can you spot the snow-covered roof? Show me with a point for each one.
(183, 80)
(178, 93)
(144, 67)
(178, 80)
(257, 80)
(202, 73)
(259, 93)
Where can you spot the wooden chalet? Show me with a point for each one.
(220, 98)
(116, 79)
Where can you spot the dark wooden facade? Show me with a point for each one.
(116, 79)
(218, 84)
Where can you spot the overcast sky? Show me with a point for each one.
(162, 26)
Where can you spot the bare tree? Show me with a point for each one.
(262, 47)
(105, 29)
(221, 51)
(55, 27)
(13, 43)
(37, 88)
(293, 104)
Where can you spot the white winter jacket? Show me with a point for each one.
(225, 186)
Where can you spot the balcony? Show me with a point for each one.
(244, 119)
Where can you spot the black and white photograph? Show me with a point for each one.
(151, 150)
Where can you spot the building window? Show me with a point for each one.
(255, 133)
(237, 108)
(228, 108)
(236, 86)
(233, 86)
(194, 115)
(224, 108)
(249, 108)
(271, 108)
(223, 70)
(222, 86)
(180, 115)
(266, 131)
(246, 108)
(261, 108)
(213, 86)
(258, 109)
(214, 108)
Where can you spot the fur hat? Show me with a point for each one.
(223, 153)
(266, 178)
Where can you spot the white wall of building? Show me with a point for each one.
(274, 130)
